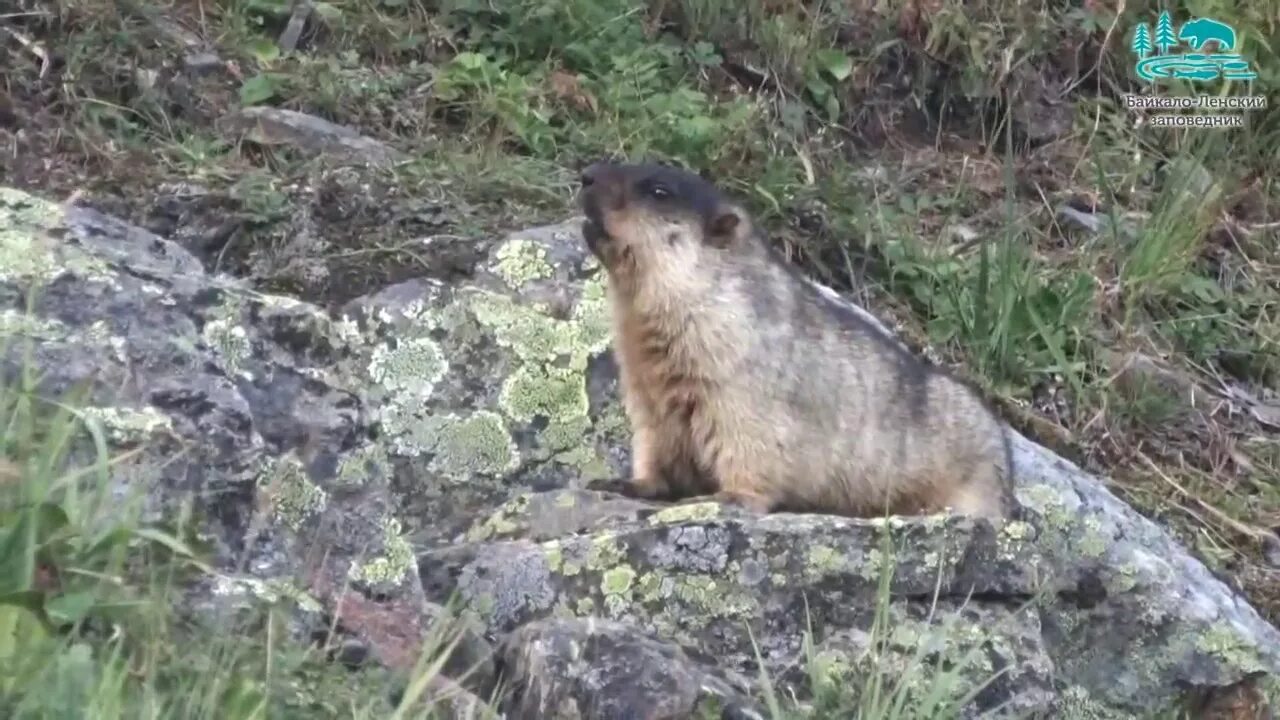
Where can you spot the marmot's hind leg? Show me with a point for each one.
(982, 495)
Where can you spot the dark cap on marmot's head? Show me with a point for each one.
(631, 206)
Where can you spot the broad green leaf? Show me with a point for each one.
(17, 555)
(470, 60)
(20, 622)
(263, 50)
(257, 89)
(834, 63)
(110, 540)
(832, 107)
(32, 600)
(68, 609)
(51, 518)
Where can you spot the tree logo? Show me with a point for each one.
(1172, 61)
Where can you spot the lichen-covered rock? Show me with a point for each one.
(732, 585)
(990, 650)
(1062, 600)
(316, 445)
(567, 669)
(435, 438)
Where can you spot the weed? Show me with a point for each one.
(885, 682)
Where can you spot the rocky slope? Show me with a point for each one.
(431, 442)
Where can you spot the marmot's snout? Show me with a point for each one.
(600, 189)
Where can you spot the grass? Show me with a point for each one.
(936, 678)
(883, 145)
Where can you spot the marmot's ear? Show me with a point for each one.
(726, 226)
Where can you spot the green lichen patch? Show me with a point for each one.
(228, 338)
(520, 260)
(1121, 579)
(592, 317)
(1075, 703)
(1018, 531)
(28, 251)
(507, 519)
(127, 425)
(693, 600)
(363, 467)
(291, 495)
(554, 555)
(1014, 538)
(872, 564)
(528, 330)
(346, 331)
(408, 369)
(550, 381)
(692, 512)
(559, 394)
(822, 560)
(1093, 543)
(270, 591)
(1047, 501)
(394, 565)
(20, 211)
(605, 551)
(1225, 644)
(595, 554)
(467, 446)
(14, 323)
(617, 581)
(713, 598)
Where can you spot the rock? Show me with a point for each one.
(277, 126)
(1092, 222)
(395, 631)
(716, 579)
(564, 669)
(436, 438)
(202, 63)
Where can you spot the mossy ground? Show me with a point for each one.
(872, 139)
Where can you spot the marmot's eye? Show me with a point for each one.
(659, 192)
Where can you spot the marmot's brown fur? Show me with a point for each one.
(746, 382)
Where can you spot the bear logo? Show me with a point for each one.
(1199, 31)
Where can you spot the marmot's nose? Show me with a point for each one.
(591, 173)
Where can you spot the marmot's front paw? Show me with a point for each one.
(635, 487)
(618, 486)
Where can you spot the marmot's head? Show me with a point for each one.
(643, 218)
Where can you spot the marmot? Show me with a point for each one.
(746, 382)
